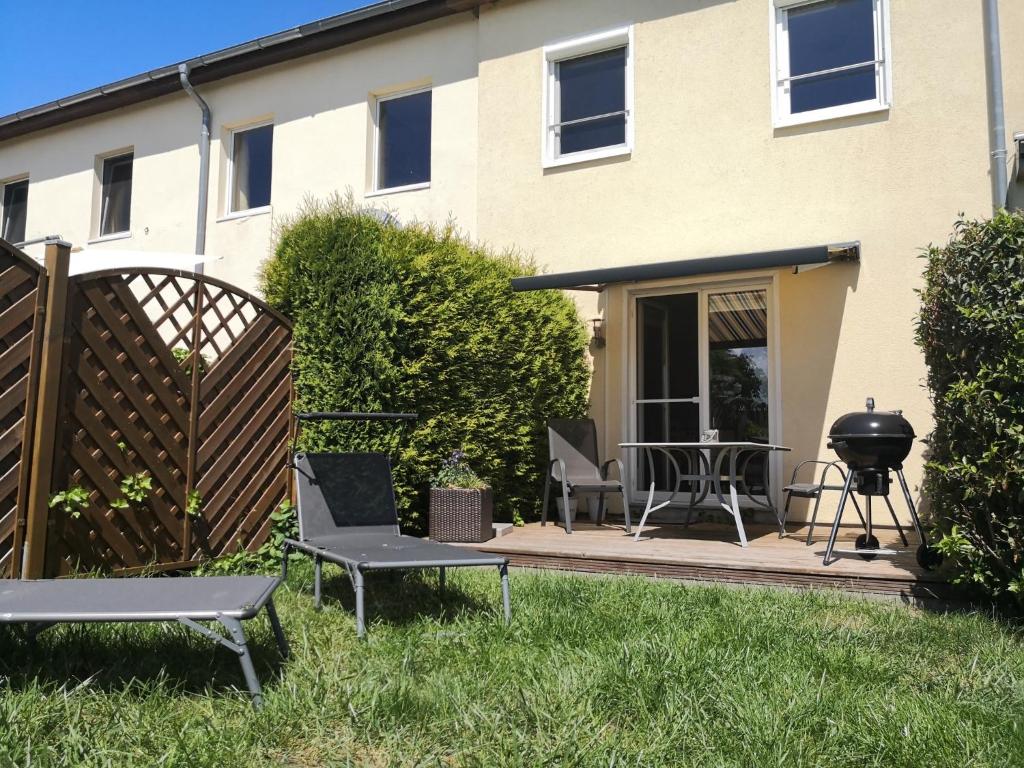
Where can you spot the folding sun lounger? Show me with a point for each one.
(347, 516)
(229, 600)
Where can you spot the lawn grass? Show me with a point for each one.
(593, 671)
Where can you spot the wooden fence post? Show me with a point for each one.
(44, 438)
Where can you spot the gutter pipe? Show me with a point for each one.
(996, 112)
(204, 162)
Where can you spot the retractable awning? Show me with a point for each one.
(800, 259)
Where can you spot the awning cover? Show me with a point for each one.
(800, 259)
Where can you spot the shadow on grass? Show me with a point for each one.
(398, 597)
(113, 657)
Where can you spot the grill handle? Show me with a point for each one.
(836, 445)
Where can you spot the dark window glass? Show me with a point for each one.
(827, 35)
(589, 86)
(403, 144)
(252, 167)
(15, 211)
(116, 208)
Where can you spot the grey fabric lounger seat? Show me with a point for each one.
(229, 600)
(347, 516)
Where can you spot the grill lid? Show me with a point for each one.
(871, 423)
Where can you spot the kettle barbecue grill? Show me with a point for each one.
(873, 444)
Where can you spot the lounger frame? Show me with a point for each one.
(252, 594)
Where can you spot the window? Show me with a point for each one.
(15, 211)
(403, 141)
(116, 194)
(252, 153)
(588, 94)
(831, 59)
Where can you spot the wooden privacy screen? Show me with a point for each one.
(22, 303)
(186, 379)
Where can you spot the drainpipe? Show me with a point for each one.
(996, 115)
(204, 162)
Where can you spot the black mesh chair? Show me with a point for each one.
(347, 516)
(574, 462)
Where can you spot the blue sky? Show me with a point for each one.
(54, 48)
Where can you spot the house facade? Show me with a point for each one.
(747, 141)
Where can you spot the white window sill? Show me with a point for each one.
(108, 238)
(591, 154)
(245, 214)
(396, 190)
(832, 113)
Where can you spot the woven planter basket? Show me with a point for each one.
(461, 514)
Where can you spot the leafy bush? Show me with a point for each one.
(392, 318)
(971, 329)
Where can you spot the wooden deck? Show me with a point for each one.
(711, 552)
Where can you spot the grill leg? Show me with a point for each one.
(234, 628)
(357, 583)
(867, 527)
(839, 517)
(506, 603)
(318, 571)
(910, 505)
(896, 520)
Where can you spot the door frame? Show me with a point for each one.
(702, 286)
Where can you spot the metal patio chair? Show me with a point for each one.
(814, 491)
(347, 516)
(574, 462)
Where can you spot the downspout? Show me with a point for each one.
(996, 113)
(204, 163)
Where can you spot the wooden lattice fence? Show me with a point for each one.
(22, 304)
(185, 379)
(134, 378)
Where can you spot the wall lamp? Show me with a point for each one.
(598, 332)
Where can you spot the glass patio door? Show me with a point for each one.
(701, 362)
(667, 379)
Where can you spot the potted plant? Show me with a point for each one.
(461, 504)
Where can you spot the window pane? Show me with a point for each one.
(252, 166)
(116, 203)
(667, 347)
(588, 86)
(822, 91)
(830, 34)
(15, 207)
(738, 365)
(403, 141)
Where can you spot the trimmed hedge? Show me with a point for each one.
(410, 318)
(971, 329)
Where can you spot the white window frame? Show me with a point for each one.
(102, 161)
(4, 183)
(782, 117)
(376, 188)
(229, 211)
(571, 49)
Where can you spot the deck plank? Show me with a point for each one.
(710, 552)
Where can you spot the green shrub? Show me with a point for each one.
(393, 318)
(971, 329)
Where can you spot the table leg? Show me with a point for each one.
(733, 505)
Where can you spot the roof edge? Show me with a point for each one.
(316, 36)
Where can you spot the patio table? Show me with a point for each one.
(725, 457)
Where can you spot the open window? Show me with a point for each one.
(251, 168)
(14, 211)
(116, 195)
(831, 59)
(402, 147)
